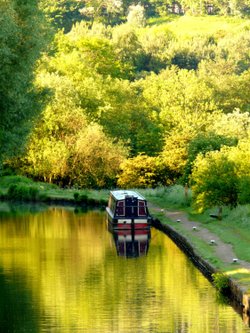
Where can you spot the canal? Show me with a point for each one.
(62, 271)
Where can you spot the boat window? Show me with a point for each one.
(120, 208)
(141, 208)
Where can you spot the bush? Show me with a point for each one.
(85, 200)
(80, 198)
(21, 192)
(215, 182)
(221, 283)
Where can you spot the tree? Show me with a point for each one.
(175, 152)
(143, 171)
(202, 144)
(96, 159)
(222, 177)
(65, 147)
(240, 155)
(127, 117)
(136, 15)
(128, 48)
(182, 99)
(192, 6)
(46, 159)
(155, 43)
(22, 37)
(232, 7)
(214, 180)
(234, 124)
(102, 10)
(62, 14)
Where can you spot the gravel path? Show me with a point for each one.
(223, 251)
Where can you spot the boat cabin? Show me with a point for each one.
(127, 209)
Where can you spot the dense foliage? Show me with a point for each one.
(128, 97)
(22, 37)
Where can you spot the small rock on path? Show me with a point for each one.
(223, 251)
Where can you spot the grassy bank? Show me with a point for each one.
(22, 189)
(233, 229)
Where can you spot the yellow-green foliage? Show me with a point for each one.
(214, 181)
(143, 93)
(66, 148)
(143, 171)
(221, 282)
(189, 26)
(222, 177)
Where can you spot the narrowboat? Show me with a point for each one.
(127, 210)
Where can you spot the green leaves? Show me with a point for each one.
(142, 172)
(22, 37)
(202, 144)
(222, 177)
(215, 181)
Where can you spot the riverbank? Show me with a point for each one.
(22, 189)
(214, 258)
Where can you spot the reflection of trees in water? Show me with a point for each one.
(17, 310)
(70, 264)
(9, 209)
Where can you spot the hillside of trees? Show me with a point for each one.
(99, 94)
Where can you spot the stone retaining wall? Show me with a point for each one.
(239, 300)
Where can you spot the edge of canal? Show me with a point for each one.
(238, 298)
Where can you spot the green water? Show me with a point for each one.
(60, 271)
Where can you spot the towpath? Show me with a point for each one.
(224, 251)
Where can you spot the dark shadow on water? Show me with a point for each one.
(17, 312)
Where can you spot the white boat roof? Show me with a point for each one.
(121, 194)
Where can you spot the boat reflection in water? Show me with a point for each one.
(131, 243)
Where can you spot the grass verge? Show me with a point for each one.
(234, 229)
(22, 189)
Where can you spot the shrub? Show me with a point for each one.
(215, 182)
(84, 199)
(80, 198)
(76, 196)
(221, 282)
(21, 192)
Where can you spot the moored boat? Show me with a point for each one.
(127, 210)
